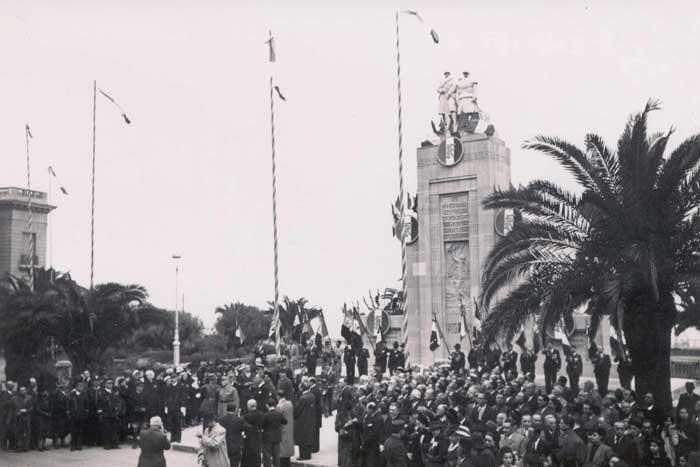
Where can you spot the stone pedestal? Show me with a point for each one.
(454, 237)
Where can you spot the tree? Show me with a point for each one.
(159, 335)
(627, 246)
(254, 323)
(83, 323)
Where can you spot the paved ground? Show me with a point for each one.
(93, 457)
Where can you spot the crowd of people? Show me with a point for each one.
(482, 409)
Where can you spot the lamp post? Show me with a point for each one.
(176, 340)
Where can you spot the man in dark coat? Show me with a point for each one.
(393, 360)
(363, 362)
(601, 370)
(272, 435)
(153, 442)
(252, 445)
(527, 362)
(688, 400)
(318, 400)
(79, 412)
(372, 425)
(235, 426)
(108, 412)
(574, 368)
(304, 422)
(552, 365)
(60, 412)
(91, 431)
(175, 399)
(380, 355)
(394, 449)
(457, 359)
(349, 360)
(510, 362)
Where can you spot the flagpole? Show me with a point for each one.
(92, 204)
(404, 288)
(275, 314)
(30, 227)
(49, 226)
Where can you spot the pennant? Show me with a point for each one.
(111, 99)
(52, 173)
(28, 131)
(434, 339)
(433, 33)
(273, 52)
(435, 36)
(279, 93)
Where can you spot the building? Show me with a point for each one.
(15, 234)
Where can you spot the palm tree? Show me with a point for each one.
(84, 323)
(289, 310)
(628, 246)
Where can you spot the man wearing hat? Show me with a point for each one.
(153, 442)
(457, 359)
(436, 453)
(394, 450)
(304, 421)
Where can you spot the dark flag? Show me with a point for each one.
(116, 104)
(434, 338)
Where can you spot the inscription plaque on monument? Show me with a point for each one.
(455, 235)
(455, 218)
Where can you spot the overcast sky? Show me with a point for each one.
(192, 174)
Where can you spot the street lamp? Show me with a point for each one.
(176, 340)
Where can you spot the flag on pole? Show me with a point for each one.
(434, 338)
(560, 335)
(433, 33)
(275, 323)
(324, 328)
(279, 93)
(521, 340)
(462, 322)
(616, 347)
(476, 325)
(52, 172)
(273, 52)
(239, 334)
(116, 104)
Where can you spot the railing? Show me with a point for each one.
(689, 370)
(20, 193)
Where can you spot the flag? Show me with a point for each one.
(434, 339)
(52, 172)
(463, 431)
(433, 33)
(462, 322)
(275, 322)
(308, 330)
(477, 320)
(29, 132)
(297, 321)
(239, 334)
(616, 344)
(279, 93)
(521, 340)
(559, 334)
(324, 328)
(271, 44)
(116, 104)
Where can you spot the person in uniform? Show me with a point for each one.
(79, 412)
(174, 401)
(457, 359)
(601, 371)
(446, 93)
(510, 363)
(363, 362)
(552, 365)
(108, 410)
(527, 362)
(574, 369)
(393, 360)
(60, 412)
(465, 91)
(349, 360)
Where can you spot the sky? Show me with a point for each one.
(192, 174)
